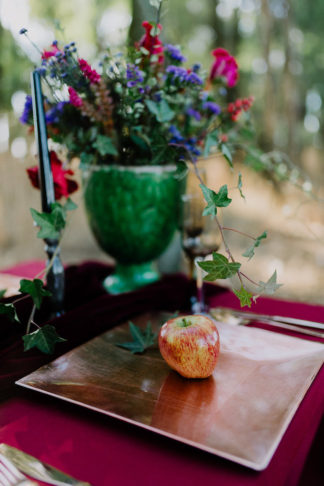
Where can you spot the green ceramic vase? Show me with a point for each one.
(133, 213)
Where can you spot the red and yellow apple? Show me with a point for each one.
(190, 345)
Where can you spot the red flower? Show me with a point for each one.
(152, 43)
(75, 99)
(89, 73)
(62, 185)
(225, 66)
(235, 109)
(51, 52)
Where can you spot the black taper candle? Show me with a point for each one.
(55, 276)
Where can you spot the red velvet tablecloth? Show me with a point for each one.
(104, 451)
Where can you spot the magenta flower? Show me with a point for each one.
(224, 66)
(152, 43)
(75, 99)
(89, 73)
(52, 51)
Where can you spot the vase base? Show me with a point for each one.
(130, 277)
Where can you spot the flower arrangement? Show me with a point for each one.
(144, 108)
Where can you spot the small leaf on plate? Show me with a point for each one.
(43, 339)
(35, 288)
(270, 286)
(244, 296)
(141, 339)
(219, 267)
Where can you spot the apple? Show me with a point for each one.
(190, 345)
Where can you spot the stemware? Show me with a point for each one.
(200, 236)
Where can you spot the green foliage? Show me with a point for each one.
(227, 154)
(70, 205)
(141, 339)
(2, 293)
(270, 286)
(244, 296)
(45, 338)
(219, 267)
(34, 288)
(249, 253)
(211, 141)
(9, 311)
(240, 185)
(215, 200)
(51, 224)
(161, 110)
(105, 146)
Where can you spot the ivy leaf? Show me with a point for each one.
(249, 253)
(2, 293)
(86, 159)
(227, 154)
(105, 146)
(34, 288)
(141, 339)
(10, 311)
(244, 296)
(215, 200)
(161, 110)
(211, 141)
(43, 339)
(240, 185)
(270, 286)
(219, 267)
(51, 223)
(70, 205)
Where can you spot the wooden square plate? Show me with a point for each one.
(240, 413)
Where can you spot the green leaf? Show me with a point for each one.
(240, 185)
(141, 339)
(227, 154)
(105, 146)
(215, 200)
(43, 339)
(85, 160)
(219, 267)
(34, 288)
(70, 205)
(2, 293)
(270, 286)
(161, 110)
(51, 223)
(211, 141)
(249, 253)
(244, 296)
(10, 311)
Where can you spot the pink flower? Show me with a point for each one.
(89, 73)
(51, 52)
(224, 66)
(63, 186)
(75, 99)
(152, 43)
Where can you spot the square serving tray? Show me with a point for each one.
(240, 413)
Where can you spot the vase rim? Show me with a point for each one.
(133, 168)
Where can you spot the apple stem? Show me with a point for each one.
(184, 323)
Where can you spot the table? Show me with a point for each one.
(104, 451)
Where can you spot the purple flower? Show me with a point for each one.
(28, 108)
(53, 114)
(193, 78)
(175, 53)
(133, 75)
(23, 31)
(194, 113)
(211, 106)
(196, 68)
(178, 73)
(188, 144)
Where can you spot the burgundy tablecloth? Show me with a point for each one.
(105, 451)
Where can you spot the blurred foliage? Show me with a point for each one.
(278, 44)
